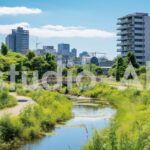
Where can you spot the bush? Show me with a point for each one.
(50, 109)
(6, 100)
(130, 128)
(10, 128)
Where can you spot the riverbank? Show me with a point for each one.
(32, 123)
(21, 103)
(87, 101)
(130, 128)
(74, 133)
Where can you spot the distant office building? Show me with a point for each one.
(18, 40)
(105, 64)
(73, 53)
(84, 54)
(50, 49)
(85, 60)
(46, 50)
(64, 49)
(10, 41)
(135, 36)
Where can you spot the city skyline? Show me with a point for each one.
(94, 28)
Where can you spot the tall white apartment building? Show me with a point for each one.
(134, 33)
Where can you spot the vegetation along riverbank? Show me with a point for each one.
(51, 108)
(130, 128)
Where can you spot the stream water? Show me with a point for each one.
(76, 132)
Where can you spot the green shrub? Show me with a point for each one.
(34, 120)
(10, 128)
(6, 100)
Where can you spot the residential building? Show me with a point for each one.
(135, 36)
(18, 40)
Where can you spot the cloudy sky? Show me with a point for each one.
(88, 25)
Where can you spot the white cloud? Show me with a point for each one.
(6, 29)
(51, 31)
(18, 11)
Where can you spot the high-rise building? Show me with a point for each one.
(10, 41)
(135, 36)
(64, 49)
(73, 53)
(18, 40)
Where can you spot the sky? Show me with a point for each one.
(88, 25)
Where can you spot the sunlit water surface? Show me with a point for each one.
(76, 132)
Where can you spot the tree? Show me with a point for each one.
(30, 54)
(79, 69)
(94, 60)
(131, 58)
(51, 61)
(64, 72)
(4, 49)
(120, 68)
(98, 71)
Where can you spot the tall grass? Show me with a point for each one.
(130, 128)
(50, 108)
(6, 100)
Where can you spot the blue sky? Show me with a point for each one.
(98, 15)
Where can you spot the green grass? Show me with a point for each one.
(130, 128)
(6, 100)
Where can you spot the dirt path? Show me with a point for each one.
(22, 102)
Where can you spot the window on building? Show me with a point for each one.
(139, 23)
(138, 17)
(139, 51)
(139, 29)
(141, 46)
(140, 57)
(139, 34)
(139, 40)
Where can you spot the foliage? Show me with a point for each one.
(28, 62)
(79, 69)
(50, 108)
(6, 100)
(121, 63)
(120, 68)
(30, 55)
(4, 49)
(130, 128)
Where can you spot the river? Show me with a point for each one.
(76, 132)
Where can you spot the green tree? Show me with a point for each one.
(30, 54)
(64, 72)
(79, 69)
(120, 68)
(98, 71)
(51, 61)
(4, 49)
(131, 58)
